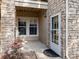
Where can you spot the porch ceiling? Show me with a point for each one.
(23, 11)
(30, 9)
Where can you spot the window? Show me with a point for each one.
(29, 26)
(21, 27)
(33, 27)
(55, 29)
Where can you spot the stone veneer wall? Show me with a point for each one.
(73, 29)
(54, 7)
(7, 23)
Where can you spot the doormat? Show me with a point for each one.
(50, 53)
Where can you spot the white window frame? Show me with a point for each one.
(27, 25)
(55, 29)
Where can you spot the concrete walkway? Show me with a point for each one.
(38, 47)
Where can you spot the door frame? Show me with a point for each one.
(56, 48)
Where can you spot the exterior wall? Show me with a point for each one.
(7, 31)
(43, 28)
(54, 7)
(7, 23)
(73, 29)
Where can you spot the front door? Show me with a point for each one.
(55, 33)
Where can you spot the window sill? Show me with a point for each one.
(28, 35)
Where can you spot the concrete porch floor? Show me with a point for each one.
(38, 47)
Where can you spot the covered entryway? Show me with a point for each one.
(31, 24)
(32, 28)
(55, 33)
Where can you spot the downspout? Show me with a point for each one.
(67, 29)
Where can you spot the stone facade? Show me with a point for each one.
(7, 23)
(73, 29)
(54, 7)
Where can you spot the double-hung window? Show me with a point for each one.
(28, 26)
(22, 27)
(33, 27)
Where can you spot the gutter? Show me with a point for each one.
(67, 29)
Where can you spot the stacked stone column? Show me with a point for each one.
(7, 23)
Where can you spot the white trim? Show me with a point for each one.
(34, 2)
(55, 45)
(59, 15)
(67, 29)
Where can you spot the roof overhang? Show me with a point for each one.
(32, 4)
